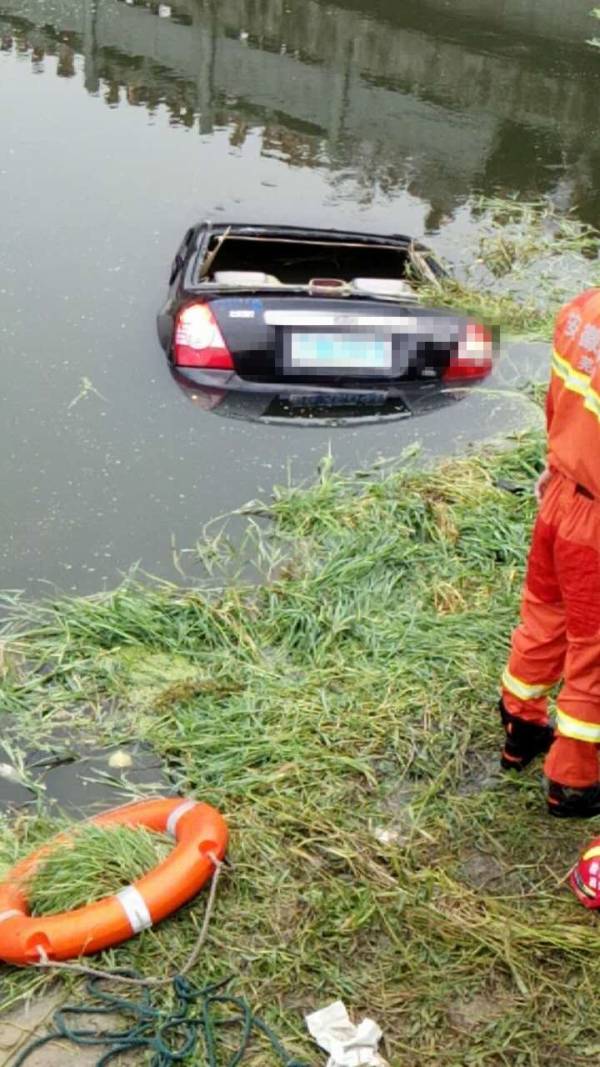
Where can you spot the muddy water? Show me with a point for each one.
(121, 122)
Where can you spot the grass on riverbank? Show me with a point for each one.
(350, 695)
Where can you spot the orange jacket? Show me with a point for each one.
(573, 406)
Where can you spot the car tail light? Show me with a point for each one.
(198, 340)
(474, 356)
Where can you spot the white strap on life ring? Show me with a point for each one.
(135, 908)
(176, 814)
(9, 914)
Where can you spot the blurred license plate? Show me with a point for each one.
(337, 400)
(315, 351)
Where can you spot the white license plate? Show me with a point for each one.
(348, 351)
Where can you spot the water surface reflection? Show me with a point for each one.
(122, 122)
(416, 98)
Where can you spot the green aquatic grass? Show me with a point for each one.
(517, 233)
(528, 258)
(99, 862)
(342, 717)
(521, 317)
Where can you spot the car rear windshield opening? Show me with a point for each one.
(297, 262)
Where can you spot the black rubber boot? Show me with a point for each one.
(567, 803)
(524, 740)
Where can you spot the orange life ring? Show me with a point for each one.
(199, 831)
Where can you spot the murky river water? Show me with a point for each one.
(121, 122)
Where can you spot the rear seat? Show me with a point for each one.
(245, 277)
(392, 287)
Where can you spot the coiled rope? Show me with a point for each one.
(190, 1029)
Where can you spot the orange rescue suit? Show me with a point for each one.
(559, 633)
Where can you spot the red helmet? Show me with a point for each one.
(585, 876)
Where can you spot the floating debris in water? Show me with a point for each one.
(9, 772)
(120, 759)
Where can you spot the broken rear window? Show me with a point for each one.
(282, 261)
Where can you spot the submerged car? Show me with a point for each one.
(310, 320)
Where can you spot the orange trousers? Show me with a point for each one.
(559, 633)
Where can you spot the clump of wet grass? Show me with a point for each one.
(98, 862)
(519, 315)
(517, 233)
(528, 259)
(350, 738)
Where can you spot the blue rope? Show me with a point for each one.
(191, 1027)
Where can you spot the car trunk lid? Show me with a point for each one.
(311, 338)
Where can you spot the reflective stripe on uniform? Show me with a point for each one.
(592, 402)
(574, 380)
(524, 690)
(567, 726)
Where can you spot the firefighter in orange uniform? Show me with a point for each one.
(559, 633)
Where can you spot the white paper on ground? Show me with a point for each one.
(348, 1045)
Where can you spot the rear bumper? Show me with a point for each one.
(229, 394)
(229, 381)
